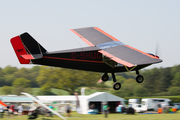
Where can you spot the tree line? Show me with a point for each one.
(158, 81)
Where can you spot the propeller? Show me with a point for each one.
(157, 51)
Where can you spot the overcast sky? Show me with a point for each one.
(138, 23)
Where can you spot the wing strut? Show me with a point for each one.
(130, 69)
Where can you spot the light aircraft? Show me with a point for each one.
(105, 54)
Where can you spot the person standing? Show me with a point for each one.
(7, 111)
(20, 109)
(12, 110)
(68, 110)
(50, 114)
(106, 109)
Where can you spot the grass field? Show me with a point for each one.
(75, 116)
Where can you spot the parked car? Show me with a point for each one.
(138, 108)
(177, 105)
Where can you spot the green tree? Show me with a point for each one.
(127, 88)
(121, 79)
(18, 90)
(22, 82)
(7, 89)
(9, 79)
(174, 90)
(45, 90)
(139, 91)
(164, 80)
(102, 87)
(1, 72)
(30, 74)
(176, 79)
(9, 70)
(152, 77)
(175, 69)
(21, 85)
(2, 81)
(66, 79)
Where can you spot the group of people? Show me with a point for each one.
(35, 111)
(106, 108)
(33, 114)
(10, 110)
(165, 109)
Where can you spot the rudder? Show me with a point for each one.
(19, 50)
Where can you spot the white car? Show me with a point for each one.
(137, 107)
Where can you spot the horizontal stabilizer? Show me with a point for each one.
(30, 57)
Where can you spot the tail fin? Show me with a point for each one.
(27, 48)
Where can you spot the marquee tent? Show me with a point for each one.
(86, 100)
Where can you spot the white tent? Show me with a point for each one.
(100, 97)
(97, 98)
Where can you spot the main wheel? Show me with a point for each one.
(105, 77)
(117, 86)
(139, 79)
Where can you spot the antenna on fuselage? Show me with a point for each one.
(81, 46)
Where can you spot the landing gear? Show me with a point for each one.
(105, 77)
(139, 78)
(116, 85)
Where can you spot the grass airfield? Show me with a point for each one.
(76, 116)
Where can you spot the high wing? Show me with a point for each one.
(129, 56)
(113, 48)
(93, 35)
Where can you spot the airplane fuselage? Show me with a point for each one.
(81, 60)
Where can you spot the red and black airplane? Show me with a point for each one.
(106, 54)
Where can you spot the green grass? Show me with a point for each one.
(109, 84)
(75, 116)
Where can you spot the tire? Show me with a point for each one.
(105, 77)
(117, 86)
(139, 79)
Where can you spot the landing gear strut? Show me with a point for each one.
(116, 85)
(139, 78)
